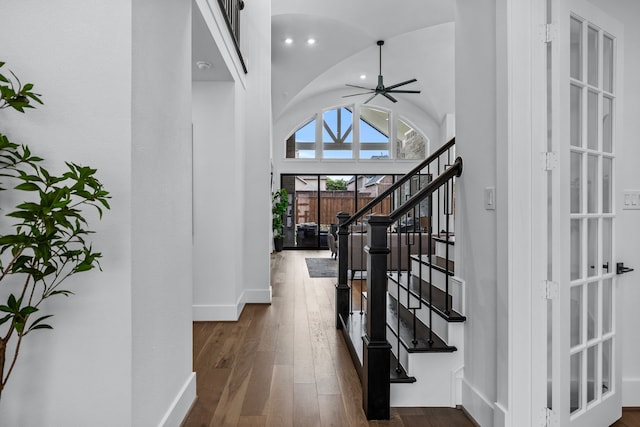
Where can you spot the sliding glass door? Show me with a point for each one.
(315, 200)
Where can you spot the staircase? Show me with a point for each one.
(402, 316)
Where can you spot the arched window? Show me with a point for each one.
(356, 132)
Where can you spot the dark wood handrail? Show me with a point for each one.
(454, 170)
(401, 181)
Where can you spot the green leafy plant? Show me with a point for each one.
(279, 205)
(336, 184)
(13, 94)
(42, 239)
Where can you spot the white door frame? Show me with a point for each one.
(522, 140)
(521, 65)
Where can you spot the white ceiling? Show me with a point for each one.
(203, 48)
(419, 44)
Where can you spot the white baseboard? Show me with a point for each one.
(499, 415)
(630, 392)
(214, 313)
(476, 405)
(257, 296)
(230, 312)
(456, 386)
(181, 404)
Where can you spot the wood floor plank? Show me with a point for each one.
(332, 412)
(255, 402)
(284, 364)
(227, 413)
(280, 410)
(252, 421)
(306, 412)
(302, 351)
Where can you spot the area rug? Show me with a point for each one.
(322, 267)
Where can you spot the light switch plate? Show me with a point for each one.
(631, 200)
(490, 198)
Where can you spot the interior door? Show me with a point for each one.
(585, 361)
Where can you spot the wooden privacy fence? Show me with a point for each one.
(331, 202)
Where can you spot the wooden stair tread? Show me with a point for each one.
(354, 326)
(422, 344)
(438, 295)
(406, 335)
(439, 263)
(442, 238)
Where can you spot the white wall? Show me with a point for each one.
(232, 137)
(79, 58)
(161, 211)
(256, 168)
(476, 228)
(628, 225)
(121, 351)
(216, 226)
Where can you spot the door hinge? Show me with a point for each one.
(548, 33)
(550, 289)
(549, 160)
(547, 417)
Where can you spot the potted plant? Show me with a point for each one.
(43, 240)
(279, 205)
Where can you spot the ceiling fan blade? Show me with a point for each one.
(359, 87)
(401, 84)
(380, 89)
(357, 94)
(389, 97)
(372, 96)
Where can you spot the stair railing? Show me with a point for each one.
(410, 224)
(392, 197)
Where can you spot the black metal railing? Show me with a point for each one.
(378, 244)
(231, 11)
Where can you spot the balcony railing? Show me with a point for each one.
(231, 11)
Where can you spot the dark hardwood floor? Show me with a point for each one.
(285, 364)
(630, 418)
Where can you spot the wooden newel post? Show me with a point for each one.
(342, 288)
(376, 364)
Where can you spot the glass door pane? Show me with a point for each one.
(591, 221)
(288, 182)
(337, 195)
(306, 211)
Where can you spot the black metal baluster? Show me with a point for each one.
(430, 258)
(398, 239)
(446, 248)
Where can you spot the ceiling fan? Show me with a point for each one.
(381, 89)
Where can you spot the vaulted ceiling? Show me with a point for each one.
(419, 43)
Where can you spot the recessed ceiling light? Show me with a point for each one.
(288, 40)
(363, 76)
(203, 65)
(311, 40)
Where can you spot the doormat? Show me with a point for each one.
(322, 267)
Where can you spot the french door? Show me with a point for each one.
(584, 363)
